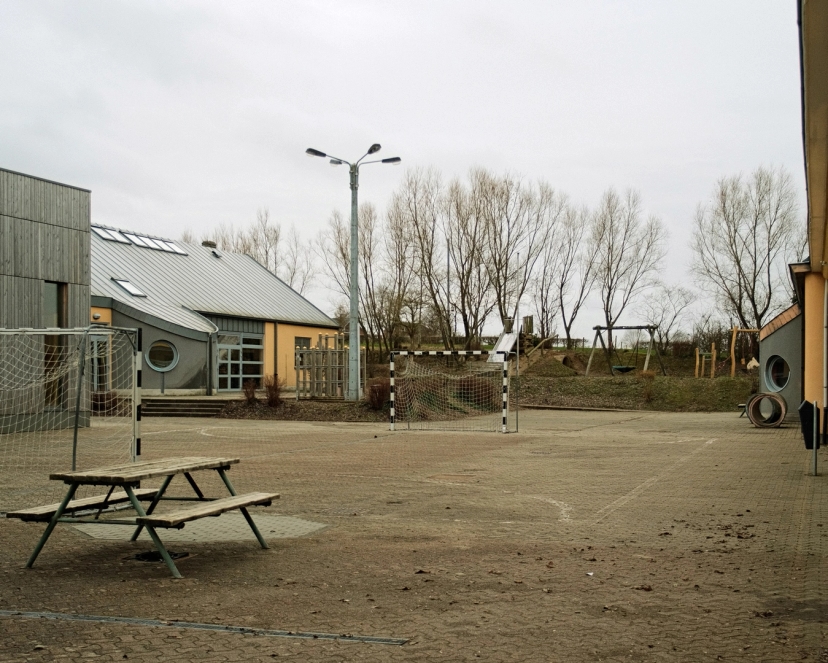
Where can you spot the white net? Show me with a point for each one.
(45, 399)
(448, 392)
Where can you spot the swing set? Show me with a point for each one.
(619, 366)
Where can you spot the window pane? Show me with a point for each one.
(162, 354)
(223, 369)
(249, 354)
(226, 339)
(302, 342)
(235, 355)
(51, 305)
(251, 369)
(235, 383)
(222, 383)
(234, 369)
(250, 340)
(223, 354)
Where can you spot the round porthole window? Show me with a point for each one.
(777, 373)
(162, 356)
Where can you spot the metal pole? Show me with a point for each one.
(353, 324)
(816, 434)
(81, 366)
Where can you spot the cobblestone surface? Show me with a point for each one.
(585, 537)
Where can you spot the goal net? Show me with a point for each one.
(68, 400)
(449, 390)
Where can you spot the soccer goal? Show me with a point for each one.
(69, 399)
(466, 390)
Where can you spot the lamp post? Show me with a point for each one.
(353, 319)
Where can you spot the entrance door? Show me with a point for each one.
(229, 362)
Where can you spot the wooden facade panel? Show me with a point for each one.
(44, 202)
(44, 236)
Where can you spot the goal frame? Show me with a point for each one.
(136, 339)
(455, 353)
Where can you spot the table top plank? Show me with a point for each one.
(131, 473)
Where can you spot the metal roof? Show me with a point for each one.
(179, 287)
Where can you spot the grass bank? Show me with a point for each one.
(668, 394)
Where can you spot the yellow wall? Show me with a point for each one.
(285, 335)
(105, 313)
(813, 342)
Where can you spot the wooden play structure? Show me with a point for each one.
(734, 334)
(322, 372)
(702, 357)
(619, 367)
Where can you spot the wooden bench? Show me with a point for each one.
(45, 513)
(206, 509)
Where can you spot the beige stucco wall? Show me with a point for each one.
(285, 346)
(105, 313)
(813, 341)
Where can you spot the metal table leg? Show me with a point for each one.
(153, 504)
(151, 531)
(45, 537)
(244, 511)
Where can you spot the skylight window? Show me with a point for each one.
(131, 289)
(136, 240)
(118, 237)
(175, 248)
(153, 243)
(110, 234)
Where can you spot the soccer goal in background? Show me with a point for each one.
(69, 399)
(464, 390)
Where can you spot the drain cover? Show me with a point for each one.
(155, 556)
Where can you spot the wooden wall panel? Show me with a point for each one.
(44, 236)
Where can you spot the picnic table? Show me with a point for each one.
(127, 478)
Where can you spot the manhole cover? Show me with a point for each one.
(155, 556)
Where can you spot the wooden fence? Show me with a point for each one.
(322, 372)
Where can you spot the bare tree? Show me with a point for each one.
(516, 222)
(567, 270)
(419, 204)
(629, 252)
(667, 307)
(261, 241)
(744, 237)
(297, 267)
(463, 227)
(189, 237)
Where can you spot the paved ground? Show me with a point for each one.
(588, 536)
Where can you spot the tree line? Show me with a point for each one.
(447, 257)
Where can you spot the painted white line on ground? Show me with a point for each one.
(640, 488)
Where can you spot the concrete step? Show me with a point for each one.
(182, 407)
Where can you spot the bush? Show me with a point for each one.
(249, 391)
(378, 393)
(273, 385)
(479, 392)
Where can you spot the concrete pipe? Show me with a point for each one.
(766, 410)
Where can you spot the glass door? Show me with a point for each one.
(229, 362)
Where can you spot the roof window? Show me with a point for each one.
(110, 234)
(131, 289)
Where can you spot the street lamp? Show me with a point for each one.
(353, 320)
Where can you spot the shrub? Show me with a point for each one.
(273, 385)
(378, 393)
(249, 390)
(479, 392)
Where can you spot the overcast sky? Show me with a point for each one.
(189, 114)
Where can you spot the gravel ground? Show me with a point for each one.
(588, 536)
